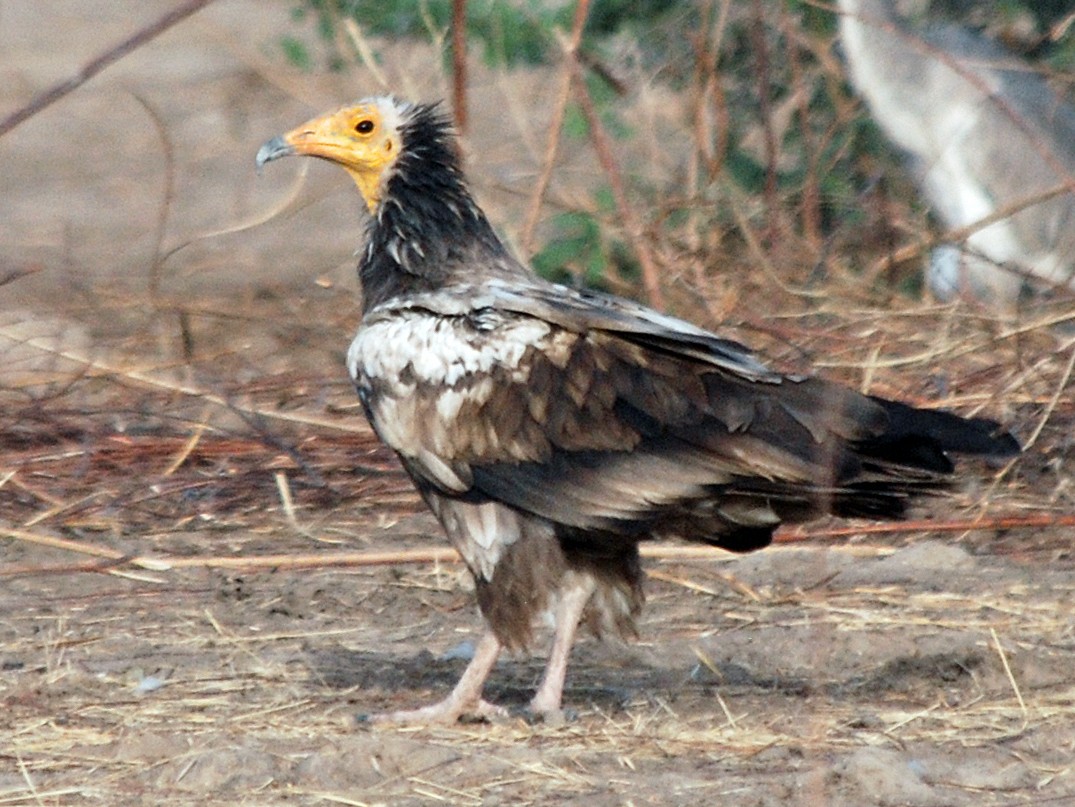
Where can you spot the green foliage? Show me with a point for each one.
(509, 33)
(826, 154)
(576, 251)
(296, 52)
(581, 253)
(576, 127)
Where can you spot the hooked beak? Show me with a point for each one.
(273, 150)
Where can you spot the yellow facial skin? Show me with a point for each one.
(364, 139)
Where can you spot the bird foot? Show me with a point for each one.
(443, 713)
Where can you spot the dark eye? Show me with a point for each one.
(364, 126)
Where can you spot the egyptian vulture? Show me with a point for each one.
(551, 430)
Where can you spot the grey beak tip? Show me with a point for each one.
(273, 149)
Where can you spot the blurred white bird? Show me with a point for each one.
(987, 136)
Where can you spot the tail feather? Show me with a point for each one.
(921, 438)
(908, 460)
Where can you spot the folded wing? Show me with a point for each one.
(617, 423)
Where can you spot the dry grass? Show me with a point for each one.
(156, 512)
(233, 683)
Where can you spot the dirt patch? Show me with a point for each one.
(227, 688)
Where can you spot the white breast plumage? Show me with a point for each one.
(418, 371)
(413, 347)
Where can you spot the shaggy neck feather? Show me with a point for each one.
(427, 231)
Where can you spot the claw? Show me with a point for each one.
(463, 702)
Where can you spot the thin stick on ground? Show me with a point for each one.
(959, 235)
(144, 378)
(187, 448)
(1008, 672)
(27, 778)
(1058, 392)
(445, 554)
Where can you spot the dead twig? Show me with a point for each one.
(556, 122)
(1054, 400)
(760, 46)
(144, 378)
(448, 555)
(1008, 672)
(632, 224)
(961, 234)
(1028, 521)
(95, 66)
(459, 64)
(167, 197)
(187, 448)
(11, 275)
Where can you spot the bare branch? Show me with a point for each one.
(95, 66)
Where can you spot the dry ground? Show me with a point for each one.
(172, 388)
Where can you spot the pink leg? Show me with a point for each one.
(549, 696)
(465, 699)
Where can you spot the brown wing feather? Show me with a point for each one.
(660, 443)
(599, 432)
